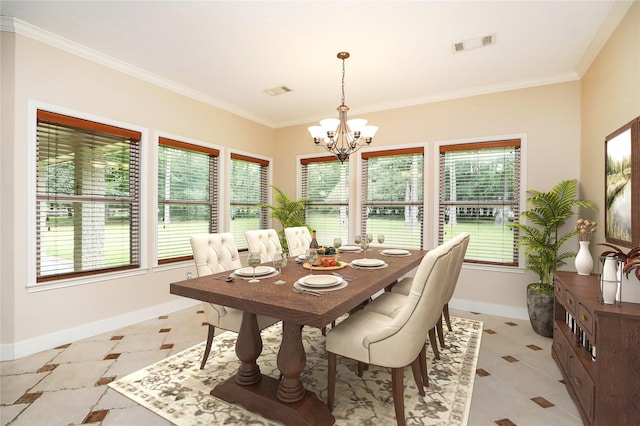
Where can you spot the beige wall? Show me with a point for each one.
(52, 76)
(610, 99)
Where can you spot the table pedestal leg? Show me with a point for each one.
(248, 349)
(291, 362)
(286, 400)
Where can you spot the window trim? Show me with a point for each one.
(251, 157)
(387, 151)
(32, 284)
(193, 145)
(523, 192)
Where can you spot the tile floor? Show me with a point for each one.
(517, 382)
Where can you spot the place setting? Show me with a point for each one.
(319, 283)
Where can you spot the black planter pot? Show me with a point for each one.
(540, 307)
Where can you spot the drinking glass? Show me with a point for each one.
(279, 262)
(357, 240)
(254, 260)
(311, 255)
(337, 242)
(364, 244)
(380, 238)
(370, 237)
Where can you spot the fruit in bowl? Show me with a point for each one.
(327, 256)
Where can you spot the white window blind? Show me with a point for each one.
(187, 197)
(325, 184)
(392, 188)
(479, 194)
(87, 193)
(249, 178)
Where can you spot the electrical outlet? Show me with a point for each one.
(188, 275)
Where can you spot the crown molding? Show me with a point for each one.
(17, 26)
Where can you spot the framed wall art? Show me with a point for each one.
(622, 186)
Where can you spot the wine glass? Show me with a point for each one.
(279, 262)
(364, 244)
(254, 260)
(337, 243)
(357, 240)
(311, 255)
(370, 237)
(380, 238)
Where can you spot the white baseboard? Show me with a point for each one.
(52, 340)
(490, 308)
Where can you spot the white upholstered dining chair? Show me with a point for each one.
(213, 254)
(403, 286)
(393, 342)
(390, 303)
(298, 240)
(264, 241)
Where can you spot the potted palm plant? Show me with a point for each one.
(289, 212)
(543, 242)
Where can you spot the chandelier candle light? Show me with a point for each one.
(339, 136)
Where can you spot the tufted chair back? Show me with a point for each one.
(214, 253)
(264, 241)
(298, 240)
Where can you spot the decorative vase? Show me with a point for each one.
(584, 261)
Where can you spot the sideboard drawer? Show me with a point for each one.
(582, 385)
(585, 320)
(570, 302)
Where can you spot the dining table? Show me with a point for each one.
(285, 399)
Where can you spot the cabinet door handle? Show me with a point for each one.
(569, 302)
(577, 381)
(583, 317)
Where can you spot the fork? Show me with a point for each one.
(344, 277)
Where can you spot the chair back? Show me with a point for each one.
(264, 241)
(460, 242)
(214, 253)
(298, 240)
(400, 342)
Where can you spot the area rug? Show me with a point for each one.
(176, 389)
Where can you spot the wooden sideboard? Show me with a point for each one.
(597, 348)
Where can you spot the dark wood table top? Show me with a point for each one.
(279, 301)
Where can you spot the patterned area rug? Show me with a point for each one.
(176, 389)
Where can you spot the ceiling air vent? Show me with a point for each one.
(280, 90)
(474, 43)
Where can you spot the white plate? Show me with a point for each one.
(299, 286)
(349, 248)
(248, 271)
(396, 252)
(368, 262)
(320, 280)
(302, 257)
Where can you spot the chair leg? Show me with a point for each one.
(447, 318)
(331, 382)
(417, 373)
(361, 368)
(440, 332)
(397, 386)
(207, 348)
(423, 365)
(434, 343)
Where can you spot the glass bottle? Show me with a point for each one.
(314, 243)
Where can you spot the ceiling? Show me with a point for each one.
(227, 53)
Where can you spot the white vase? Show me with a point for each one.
(584, 261)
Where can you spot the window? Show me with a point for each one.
(87, 193)
(325, 183)
(392, 196)
(479, 194)
(249, 178)
(187, 197)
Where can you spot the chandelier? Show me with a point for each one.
(339, 136)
